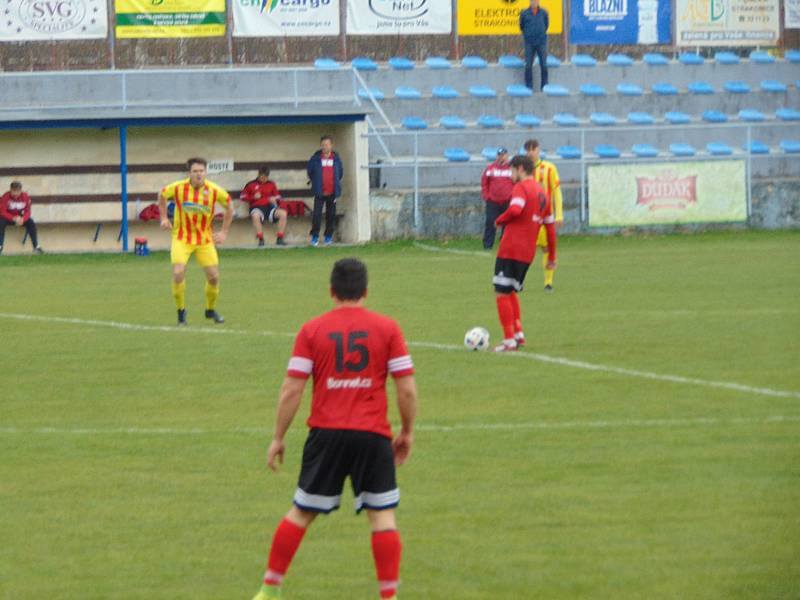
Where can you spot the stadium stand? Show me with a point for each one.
(414, 123)
(327, 64)
(452, 122)
(606, 151)
(644, 150)
(584, 60)
(401, 63)
(437, 62)
(362, 63)
(682, 149)
(620, 60)
(509, 61)
(474, 62)
(456, 154)
(690, 59)
(592, 89)
(445, 92)
(719, 149)
(527, 120)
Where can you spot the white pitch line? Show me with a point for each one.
(429, 248)
(566, 362)
(530, 426)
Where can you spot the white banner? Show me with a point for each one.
(791, 14)
(727, 22)
(30, 20)
(285, 18)
(392, 17)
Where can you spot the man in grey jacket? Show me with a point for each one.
(533, 22)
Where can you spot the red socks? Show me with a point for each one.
(517, 316)
(551, 241)
(505, 311)
(386, 549)
(280, 234)
(285, 542)
(260, 236)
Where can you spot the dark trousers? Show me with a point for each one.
(493, 210)
(29, 226)
(532, 50)
(329, 202)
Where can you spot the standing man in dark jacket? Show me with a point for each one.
(534, 22)
(325, 172)
(496, 186)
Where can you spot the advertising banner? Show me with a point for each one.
(501, 17)
(727, 22)
(30, 20)
(392, 17)
(620, 22)
(791, 14)
(285, 18)
(667, 193)
(169, 18)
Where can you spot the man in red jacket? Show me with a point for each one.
(262, 194)
(496, 186)
(15, 209)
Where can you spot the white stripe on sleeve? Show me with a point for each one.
(517, 202)
(401, 363)
(303, 365)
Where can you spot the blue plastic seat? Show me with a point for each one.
(793, 56)
(456, 154)
(401, 63)
(756, 147)
(566, 120)
(675, 117)
(644, 150)
(700, 87)
(490, 122)
(640, 118)
(482, 91)
(714, 116)
(583, 60)
(664, 89)
(437, 62)
(445, 92)
(414, 123)
(362, 63)
(787, 114)
(376, 93)
(718, 149)
(552, 89)
(527, 120)
(603, 119)
(606, 151)
(489, 153)
(509, 61)
(452, 122)
(654, 59)
(407, 93)
(568, 152)
(726, 58)
(517, 90)
(790, 146)
(773, 85)
(592, 89)
(629, 89)
(552, 62)
(689, 59)
(620, 60)
(326, 64)
(737, 87)
(473, 61)
(751, 115)
(682, 149)
(761, 58)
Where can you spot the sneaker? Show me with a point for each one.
(260, 242)
(38, 250)
(328, 240)
(268, 592)
(506, 346)
(548, 288)
(315, 240)
(280, 242)
(212, 314)
(519, 337)
(1, 249)
(182, 316)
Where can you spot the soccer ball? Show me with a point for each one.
(477, 338)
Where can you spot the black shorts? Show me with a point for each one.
(330, 455)
(509, 275)
(266, 213)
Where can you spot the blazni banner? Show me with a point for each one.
(667, 193)
(392, 17)
(30, 20)
(727, 22)
(285, 18)
(170, 18)
(619, 22)
(501, 17)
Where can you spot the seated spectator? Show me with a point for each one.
(262, 194)
(15, 209)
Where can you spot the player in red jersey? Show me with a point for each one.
(262, 194)
(349, 351)
(528, 210)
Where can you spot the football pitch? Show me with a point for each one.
(645, 444)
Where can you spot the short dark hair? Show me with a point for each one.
(349, 279)
(196, 161)
(522, 161)
(16, 185)
(263, 170)
(531, 145)
(325, 137)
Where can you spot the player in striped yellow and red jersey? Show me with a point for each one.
(546, 175)
(195, 202)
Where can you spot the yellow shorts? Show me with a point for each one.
(206, 253)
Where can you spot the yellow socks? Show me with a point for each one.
(548, 273)
(179, 293)
(212, 293)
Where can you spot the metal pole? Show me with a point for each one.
(583, 177)
(416, 184)
(749, 174)
(294, 81)
(123, 173)
(112, 34)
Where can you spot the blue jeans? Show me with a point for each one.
(532, 50)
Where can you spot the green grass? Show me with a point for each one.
(591, 484)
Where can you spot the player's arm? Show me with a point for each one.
(162, 209)
(288, 404)
(4, 212)
(407, 406)
(27, 212)
(556, 197)
(512, 212)
(227, 219)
